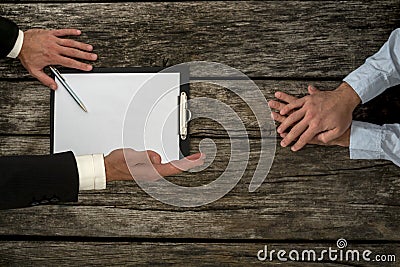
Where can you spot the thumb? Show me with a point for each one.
(312, 90)
(45, 79)
(154, 157)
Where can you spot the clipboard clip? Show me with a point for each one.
(184, 115)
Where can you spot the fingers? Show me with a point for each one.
(177, 166)
(196, 156)
(313, 141)
(76, 53)
(305, 138)
(72, 63)
(294, 133)
(45, 79)
(65, 32)
(73, 49)
(285, 97)
(290, 120)
(167, 169)
(312, 90)
(150, 172)
(276, 105)
(293, 102)
(156, 170)
(277, 117)
(293, 105)
(74, 44)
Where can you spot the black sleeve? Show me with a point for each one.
(8, 36)
(33, 180)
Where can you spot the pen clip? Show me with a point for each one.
(183, 115)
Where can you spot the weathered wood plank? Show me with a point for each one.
(25, 106)
(170, 253)
(132, 1)
(292, 222)
(268, 38)
(24, 145)
(324, 196)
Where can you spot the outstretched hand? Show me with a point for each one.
(128, 164)
(42, 48)
(320, 117)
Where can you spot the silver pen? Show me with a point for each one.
(66, 86)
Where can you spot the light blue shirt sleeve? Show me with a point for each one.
(379, 72)
(371, 141)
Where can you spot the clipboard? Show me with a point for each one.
(66, 134)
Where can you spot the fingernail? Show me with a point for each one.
(277, 94)
(89, 47)
(89, 67)
(279, 130)
(78, 32)
(293, 148)
(94, 56)
(283, 143)
(53, 87)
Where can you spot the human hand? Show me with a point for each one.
(322, 116)
(42, 48)
(343, 140)
(128, 164)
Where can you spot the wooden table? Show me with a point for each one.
(310, 198)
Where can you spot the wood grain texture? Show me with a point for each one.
(317, 193)
(290, 222)
(170, 253)
(267, 38)
(308, 200)
(25, 106)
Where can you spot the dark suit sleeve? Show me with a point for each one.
(8, 36)
(33, 180)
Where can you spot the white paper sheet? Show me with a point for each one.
(135, 110)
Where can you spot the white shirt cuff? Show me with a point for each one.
(17, 46)
(92, 172)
